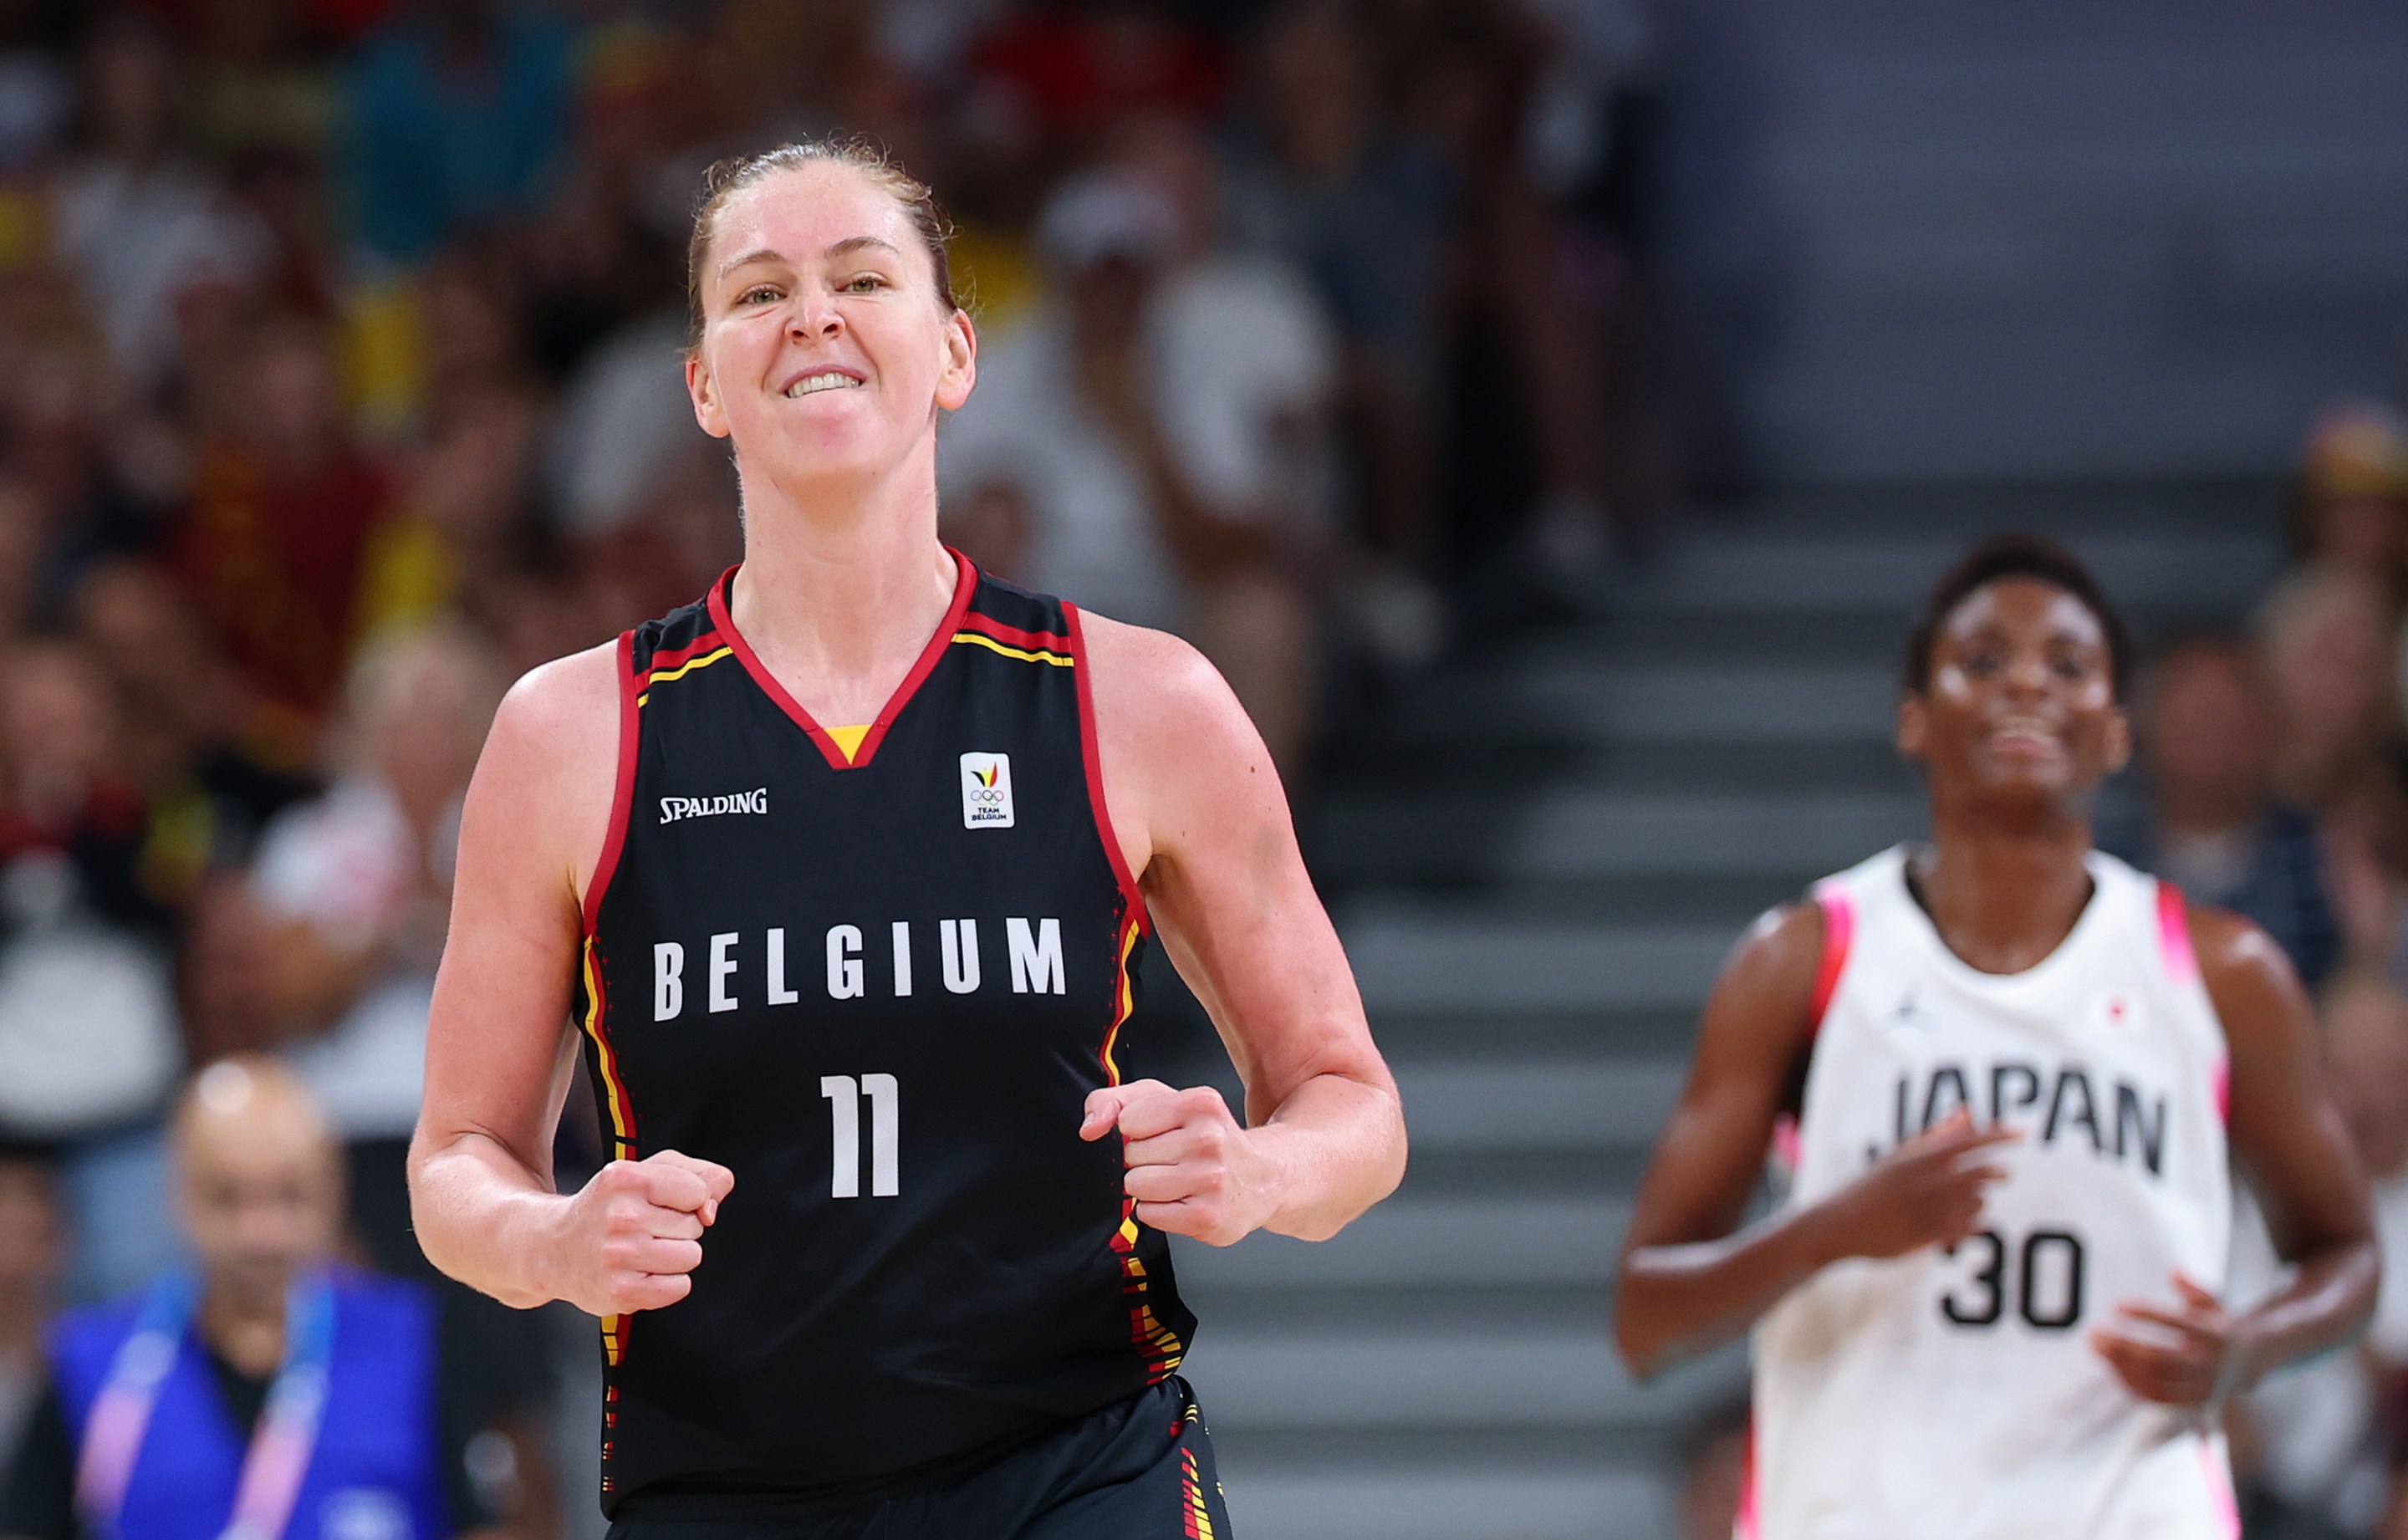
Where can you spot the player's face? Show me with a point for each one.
(826, 352)
(2021, 702)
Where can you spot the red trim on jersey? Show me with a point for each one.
(2173, 934)
(623, 794)
(965, 584)
(1034, 641)
(709, 641)
(1092, 753)
(1839, 933)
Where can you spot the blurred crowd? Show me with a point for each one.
(2274, 780)
(339, 346)
(339, 385)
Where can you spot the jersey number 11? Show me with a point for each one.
(844, 1096)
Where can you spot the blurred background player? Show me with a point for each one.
(268, 1385)
(2004, 1069)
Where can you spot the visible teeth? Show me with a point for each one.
(813, 384)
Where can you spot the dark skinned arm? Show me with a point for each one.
(2291, 1144)
(1687, 1281)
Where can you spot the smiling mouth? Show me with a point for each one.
(2023, 734)
(814, 384)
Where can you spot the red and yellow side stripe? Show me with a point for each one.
(1160, 1345)
(623, 1117)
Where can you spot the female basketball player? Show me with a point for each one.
(1988, 1305)
(846, 869)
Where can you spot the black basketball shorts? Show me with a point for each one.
(1138, 1470)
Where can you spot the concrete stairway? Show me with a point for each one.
(1538, 859)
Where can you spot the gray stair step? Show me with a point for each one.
(1536, 1104)
(1808, 571)
(1428, 958)
(1428, 1243)
(1420, 1498)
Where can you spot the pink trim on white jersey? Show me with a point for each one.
(1838, 934)
(2173, 935)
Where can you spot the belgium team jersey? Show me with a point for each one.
(875, 971)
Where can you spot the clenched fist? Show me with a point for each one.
(627, 1241)
(1193, 1168)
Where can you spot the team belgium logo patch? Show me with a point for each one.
(986, 790)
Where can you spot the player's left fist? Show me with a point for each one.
(2194, 1353)
(1193, 1168)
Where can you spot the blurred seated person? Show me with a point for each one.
(1068, 443)
(2349, 506)
(267, 1391)
(88, 1050)
(2210, 824)
(354, 893)
(29, 1258)
(2317, 1429)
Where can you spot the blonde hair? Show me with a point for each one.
(730, 176)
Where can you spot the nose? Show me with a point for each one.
(814, 317)
(2028, 676)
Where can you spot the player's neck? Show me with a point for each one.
(838, 596)
(2004, 899)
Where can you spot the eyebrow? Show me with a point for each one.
(850, 243)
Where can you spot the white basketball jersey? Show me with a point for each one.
(1957, 1396)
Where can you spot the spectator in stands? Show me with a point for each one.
(2324, 635)
(354, 891)
(29, 1258)
(136, 224)
(284, 505)
(186, 718)
(1321, 181)
(1070, 417)
(2349, 507)
(87, 1040)
(460, 113)
(137, 1444)
(2318, 1429)
(2210, 824)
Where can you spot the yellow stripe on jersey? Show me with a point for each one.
(680, 670)
(1056, 659)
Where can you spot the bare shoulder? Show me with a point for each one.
(550, 769)
(1178, 750)
(1148, 681)
(2257, 992)
(2238, 961)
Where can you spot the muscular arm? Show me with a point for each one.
(1687, 1282)
(498, 1049)
(1201, 815)
(2292, 1145)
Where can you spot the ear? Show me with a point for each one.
(703, 392)
(2119, 740)
(1912, 735)
(960, 371)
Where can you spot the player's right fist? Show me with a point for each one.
(630, 1236)
(1927, 1192)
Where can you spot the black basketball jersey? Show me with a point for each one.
(875, 971)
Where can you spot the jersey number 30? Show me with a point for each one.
(844, 1096)
(2047, 1287)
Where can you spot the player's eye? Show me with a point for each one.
(864, 285)
(760, 293)
(1982, 664)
